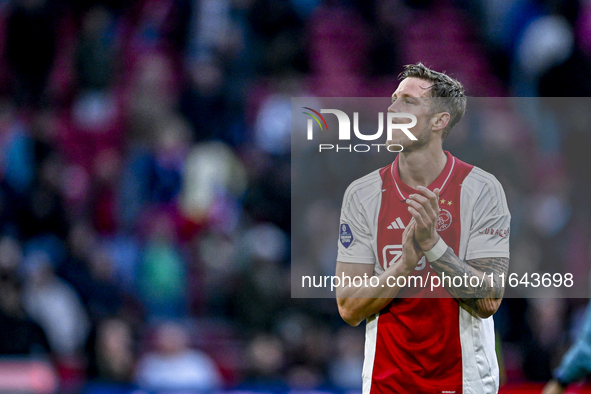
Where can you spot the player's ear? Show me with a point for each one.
(440, 120)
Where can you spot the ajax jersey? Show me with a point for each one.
(424, 341)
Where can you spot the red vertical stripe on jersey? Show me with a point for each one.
(418, 346)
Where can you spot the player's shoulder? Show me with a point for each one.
(364, 188)
(484, 186)
(478, 178)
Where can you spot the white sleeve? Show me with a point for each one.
(355, 236)
(491, 222)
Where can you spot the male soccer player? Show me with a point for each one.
(426, 215)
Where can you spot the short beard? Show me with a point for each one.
(408, 145)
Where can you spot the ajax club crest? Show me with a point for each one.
(444, 220)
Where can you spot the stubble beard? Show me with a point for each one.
(408, 145)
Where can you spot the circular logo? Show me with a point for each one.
(444, 220)
(344, 228)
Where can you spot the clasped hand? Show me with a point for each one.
(420, 234)
(424, 209)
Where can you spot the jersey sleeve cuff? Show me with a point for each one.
(355, 260)
(486, 253)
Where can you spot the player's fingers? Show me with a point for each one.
(409, 232)
(405, 233)
(431, 204)
(424, 208)
(419, 208)
(408, 241)
(432, 196)
(436, 191)
(426, 192)
(419, 198)
(417, 216)
(409, 229)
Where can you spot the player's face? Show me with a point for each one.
(412, 96)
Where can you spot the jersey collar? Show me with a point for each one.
(403, 190)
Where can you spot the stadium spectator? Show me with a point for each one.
(55, 306)
(21, 335)
(114, 351)
(162, 271)
(173, 365)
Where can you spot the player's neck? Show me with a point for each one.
(421, 168)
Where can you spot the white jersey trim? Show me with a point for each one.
(482, 201)
(480, 369)
(371, 335)
(451, 170)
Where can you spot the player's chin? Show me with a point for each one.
(396, 145)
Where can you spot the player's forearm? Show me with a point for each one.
(452, 266)
(478, 295)
(358, 303)
(355, 310)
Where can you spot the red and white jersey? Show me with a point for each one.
(415, 344)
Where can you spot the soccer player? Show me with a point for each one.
(428, 214)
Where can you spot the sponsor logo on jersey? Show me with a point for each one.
(397, 224)
(392, 253)
(444, 220)
(346, 235)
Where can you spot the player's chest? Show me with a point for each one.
(394, 217)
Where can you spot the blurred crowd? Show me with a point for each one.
(145, 177)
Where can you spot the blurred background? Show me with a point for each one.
(145, 181)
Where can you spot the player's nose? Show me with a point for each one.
(396, 105)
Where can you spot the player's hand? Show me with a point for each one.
(553, 387)
(424, 208)
(411, 252)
